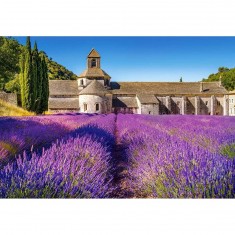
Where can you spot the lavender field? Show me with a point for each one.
(117, 156)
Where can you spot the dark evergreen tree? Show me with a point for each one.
(22, 78)
(29, 78)
(36, 62)
(45, 86)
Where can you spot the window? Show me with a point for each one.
(81, 82)
(85, 107)
(149, 112)
(218, 103)
(93, 63)
(206, 103)
(97, 107)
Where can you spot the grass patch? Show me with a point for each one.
(7, 109)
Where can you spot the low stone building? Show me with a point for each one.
(94, 93)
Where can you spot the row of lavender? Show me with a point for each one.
(178, 156)
(75, 166)
(165, 156)
(20, 134)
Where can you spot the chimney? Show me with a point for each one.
(201, 86)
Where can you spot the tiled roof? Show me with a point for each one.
(147, 99)
(94, 72)
(94, 88)
(63, 103)
(167, 88)
(68, 88)
(122, 102)
(93, 53)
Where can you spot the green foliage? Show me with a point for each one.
(34, 80)
(10, 51)
(181, 79)
(228, 150)
(13, 86)
(226, 75)
(57, 71)
(45, 86)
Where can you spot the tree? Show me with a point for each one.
(36, 64)
(181, 80)
(27, 78)
(226, 75)
(222, 69)
(45, 86)
(10, 51)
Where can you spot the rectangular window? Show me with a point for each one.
(85, 107)
(206, 102)
(97, 107)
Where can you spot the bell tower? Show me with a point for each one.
(93, 59)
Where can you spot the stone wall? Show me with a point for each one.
(232, 105)
(150, 109)
(105, 103)
(8, 97)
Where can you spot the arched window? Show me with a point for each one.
(97, 107)
(93, 63)
(85, 107)
(81, 82)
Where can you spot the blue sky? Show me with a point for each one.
(143, 58)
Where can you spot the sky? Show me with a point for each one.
(163, 59)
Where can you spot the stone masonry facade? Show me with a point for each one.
(93, 92)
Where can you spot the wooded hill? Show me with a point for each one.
(10, 51)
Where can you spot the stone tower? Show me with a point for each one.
(93, 71)
(93, 59)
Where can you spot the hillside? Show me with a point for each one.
(7, 109)
(226, 75)
(10, 51)
(57, 71)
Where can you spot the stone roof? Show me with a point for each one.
(147, 99)
(67, 88)
(125, 102)
(232, 92)
(167, 88)
(93, 73)
(94, 88)
(93, 53)
(63, 103)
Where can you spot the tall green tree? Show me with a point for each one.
(36, 63)
(45, 86)
(27, 78)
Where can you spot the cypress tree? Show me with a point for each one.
(21, 77)
(45, 86)
(34, 82)
(28, 77)
(36, 63)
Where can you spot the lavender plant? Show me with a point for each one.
(77, 166)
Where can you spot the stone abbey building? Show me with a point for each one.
(93, 92)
